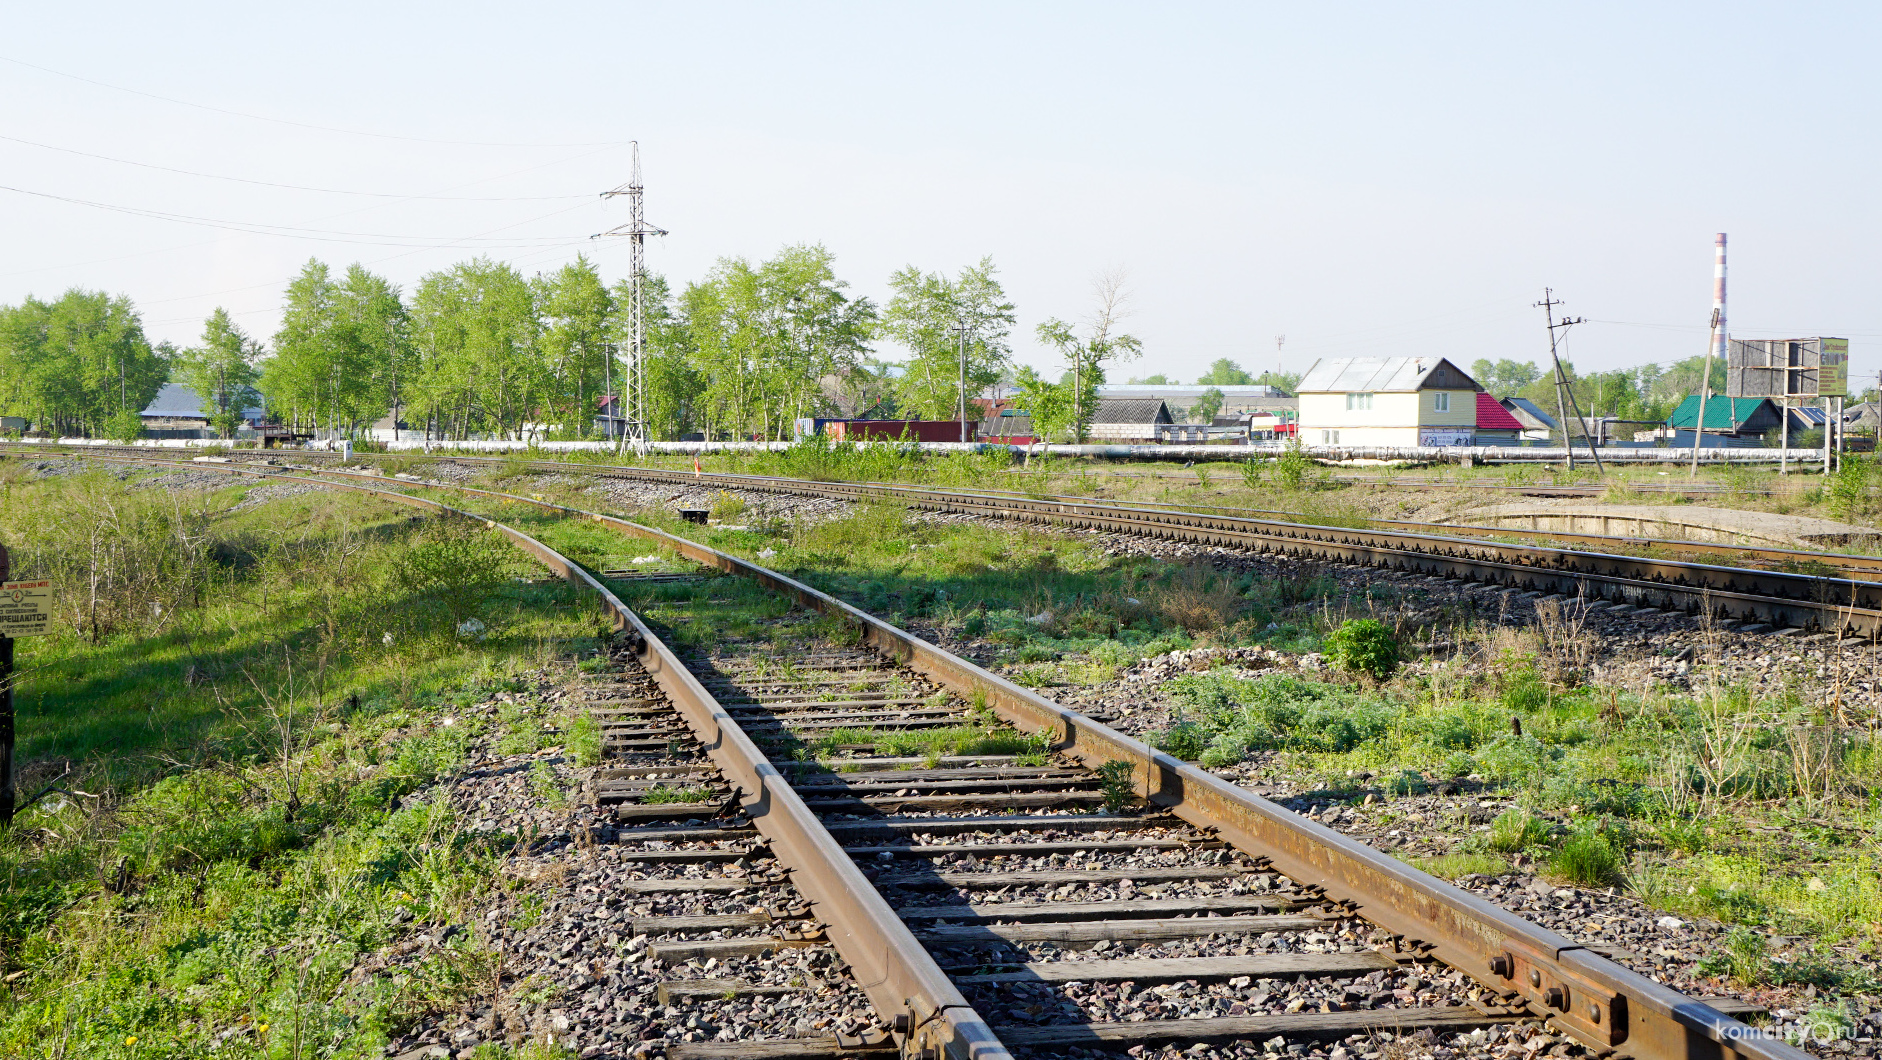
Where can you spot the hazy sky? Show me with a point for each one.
(1366, 179)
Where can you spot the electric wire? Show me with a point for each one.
(292, 187)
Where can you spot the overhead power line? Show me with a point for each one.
(290, 187)
(383, 239)
(290, 122)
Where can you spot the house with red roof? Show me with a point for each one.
(1495, 425)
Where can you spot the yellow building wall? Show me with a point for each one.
(1393, 419)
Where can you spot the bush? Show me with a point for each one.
(1586, 859)
(1186, 740)
(1517, 830)
(1364, 645)
(1291, 470)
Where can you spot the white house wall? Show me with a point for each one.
(1393, 419)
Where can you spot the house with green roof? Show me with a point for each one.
(1732, 421)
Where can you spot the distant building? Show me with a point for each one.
(1236, 400)
(1133, 419)
(1538, 426)
(1731, 422)
(1495, 425)
(176, 412)
(1387, 401)
(1008, 427)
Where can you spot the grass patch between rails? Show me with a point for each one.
(253, 711)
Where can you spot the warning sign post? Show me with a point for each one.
(25, 608)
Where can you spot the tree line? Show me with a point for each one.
(480, 350)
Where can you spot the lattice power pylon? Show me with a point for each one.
(631, 403)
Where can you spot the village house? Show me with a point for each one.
(1387, 401)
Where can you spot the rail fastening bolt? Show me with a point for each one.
(1594, 1013)
(1535, 977)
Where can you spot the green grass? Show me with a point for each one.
(256, 755)
(659, 796)
(1453, 866)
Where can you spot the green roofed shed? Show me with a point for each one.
(1727, 415)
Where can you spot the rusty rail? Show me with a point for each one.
(1602, 1004)
(927, 1012)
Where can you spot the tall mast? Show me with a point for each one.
(631, 405)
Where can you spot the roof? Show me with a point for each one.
(1131, 410)
(1494, 417)
(1174, 390)
(178, 402)
(1528, 413)
(1725, 413)
(1806, 417)
(1384, 375)
(1012, 425)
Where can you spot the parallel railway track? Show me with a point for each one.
(982, 906)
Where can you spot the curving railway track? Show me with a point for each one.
(1787, 590)
(1002, 891)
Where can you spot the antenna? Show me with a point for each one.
(632, 402)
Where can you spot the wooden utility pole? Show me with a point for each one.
(1548, 304)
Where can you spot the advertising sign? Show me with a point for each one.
(1833, 376)
(1445, 435)
(25, 608)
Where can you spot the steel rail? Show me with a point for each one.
(1781, 598)
(927, 1012)
(1848, 563)
(1602, 1004)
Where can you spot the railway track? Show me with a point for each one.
(1010, 885)
(1848, 605)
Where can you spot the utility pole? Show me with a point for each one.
(1716, 348)
(960, 330)
(632, 403)
(1547, 305)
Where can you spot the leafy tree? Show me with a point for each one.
(1504, 377)
(221, 372)
(1154, 380)
(1225, 372)
(479, 366)
(577, 341)
(339, 350)
(1048, 403)
(1286, 382)
(73, 364)
(674, 380)
(1085, 355)
(765, 339)
(1206, 406)
(923, 316)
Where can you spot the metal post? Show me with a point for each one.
(6, 712)
(1714, 348)
(960, 329)
(632, 401)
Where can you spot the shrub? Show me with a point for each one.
(1364, 645)
(1517, 830)
(1186, 740)
(1224, 750)
(1291, 470)
(1586, 859)
(1525, 691)
(1744, 957)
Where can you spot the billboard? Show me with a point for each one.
(1787, 368)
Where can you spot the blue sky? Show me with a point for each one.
(1363, 178)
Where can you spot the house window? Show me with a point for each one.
(1441, 401)
(1358, 402)
(1329, 437)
